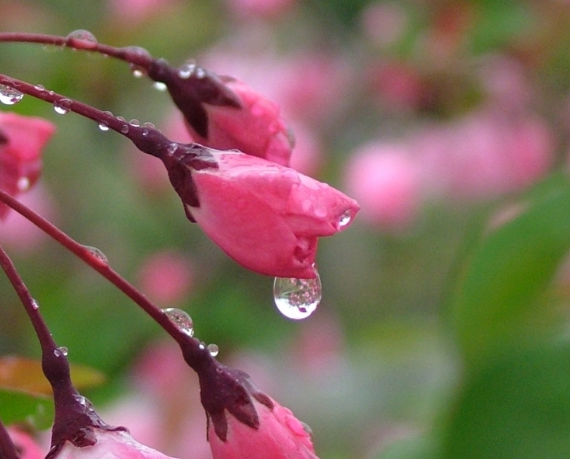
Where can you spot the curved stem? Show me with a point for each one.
(193, 347)
(47, 343)
(134, 55)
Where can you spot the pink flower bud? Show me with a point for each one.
(21, 142)
(110, 445)
(265, 216)
(279, 436)
(25, 444)
(255, 128)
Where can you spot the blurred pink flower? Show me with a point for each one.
(22, 140)
(265, 216)
(265, 9)
(27, 447)
(166, 277)
(110, 445)
(279, 436)
(485, 154)
(17, 232)
(384, 23)
(397, 85)
(133, 12)
(385, 180)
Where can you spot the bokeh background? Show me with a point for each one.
(443, 118)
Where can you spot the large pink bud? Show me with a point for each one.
(22, 140)
(279, 435)
(265, 216)
(110, 445)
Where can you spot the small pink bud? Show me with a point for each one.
(25, 444)
(256, 128)
(110, 445)
(265, 216)
(279, 435)
(21, 142)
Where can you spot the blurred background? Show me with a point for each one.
(436, 115)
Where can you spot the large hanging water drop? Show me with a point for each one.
(181, 319)
(62, 106)
(297, 298)
(9, 95)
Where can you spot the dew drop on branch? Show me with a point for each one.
(60, 351)
(181, 319)
(62, 106)
(297, 298)
(213, 349)
(9, 95)
(97, 254)
(82, 39)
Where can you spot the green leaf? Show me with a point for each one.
(17, 407)
(411, 448)
(516, 407)
(497, 303)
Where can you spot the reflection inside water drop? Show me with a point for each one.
(297, 298)
(181, 319)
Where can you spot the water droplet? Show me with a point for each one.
(200, 73)
(137, 51)
(35, 305)
(9, 95)
(82, 39)
(187, 70)
(97, 254)
(62, 106)
(103, 126)
(172, 148)
(40, 87)
(159, 86)
(148, 125)
(125, 129)
(344, 219)
(60, 351)
(297, 298)
(181, 319)
(135, 122)
(213, 349)
(23, 184)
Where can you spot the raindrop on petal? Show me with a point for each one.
(297, 298)
(344, 219)
(181, 319)
(23, 184)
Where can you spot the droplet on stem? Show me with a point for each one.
(181, 319)
(9, 95)
(60, 351)
(213, 349)
(62, 106)
(297, 298)
(82, 39)
(97, 254)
